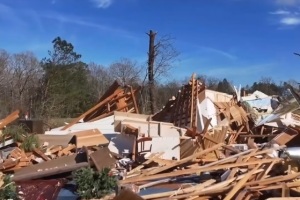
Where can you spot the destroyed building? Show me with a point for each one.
(202, 144)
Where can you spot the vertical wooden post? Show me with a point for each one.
(192, 124)
(151, 58)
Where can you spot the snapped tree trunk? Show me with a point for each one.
(151, 58)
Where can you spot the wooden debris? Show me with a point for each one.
(41, 154)
(115, 99)
(67, 150)
(222, 155)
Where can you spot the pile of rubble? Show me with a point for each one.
(202, 145)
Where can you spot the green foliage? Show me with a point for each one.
(267, 86)
(63, 52)
(20, 134)
(30, 142)
(9, 189)
(65, 81)
(92, 184)
(224, 86)
(16, 132)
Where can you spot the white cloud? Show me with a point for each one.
(280, 12)
(287, 16)
(290, 21)
(102, 3)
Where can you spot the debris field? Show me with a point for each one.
(202, 145)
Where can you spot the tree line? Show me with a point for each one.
(63, 86)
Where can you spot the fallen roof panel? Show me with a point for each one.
(52, 167)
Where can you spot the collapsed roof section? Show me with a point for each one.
(116, 98)
(182, 110)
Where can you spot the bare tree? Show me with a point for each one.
(161, 56)
(165, 56)
(24, 78)
(4, 63)
(19, 81)
(5, 99)
(125, 71)
(100, 79)
(209, 81)
(293, 83)
(266, 80)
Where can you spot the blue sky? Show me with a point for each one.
(241, 40)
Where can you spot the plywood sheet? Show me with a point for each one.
(103, 158)
(92, 137)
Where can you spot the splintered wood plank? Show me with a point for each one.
(136, 108)
(108, 113)
(272, 180)
(16, 153)
(105, 101)
(187, 107)
(248, 196)
(23, 164)
(265, 151)
(276, 187)
(228, 159)
(241, 195)
(217, 188)
(1, 179)
(236, 135)
(284, 198)
(41, 154)
(8, 163)
(121, 104)
(66, 150)
(151, 159)
(265, 172)
(10, 118)
(285, 136)
(285, 190)
(214, 141)
(204, 131)
(192, 106)
(180, 192)
(206, 125)
(203, 168)
(240, 184)
(234, 170)
(55, 149)
(191, 132)
(187, 159)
